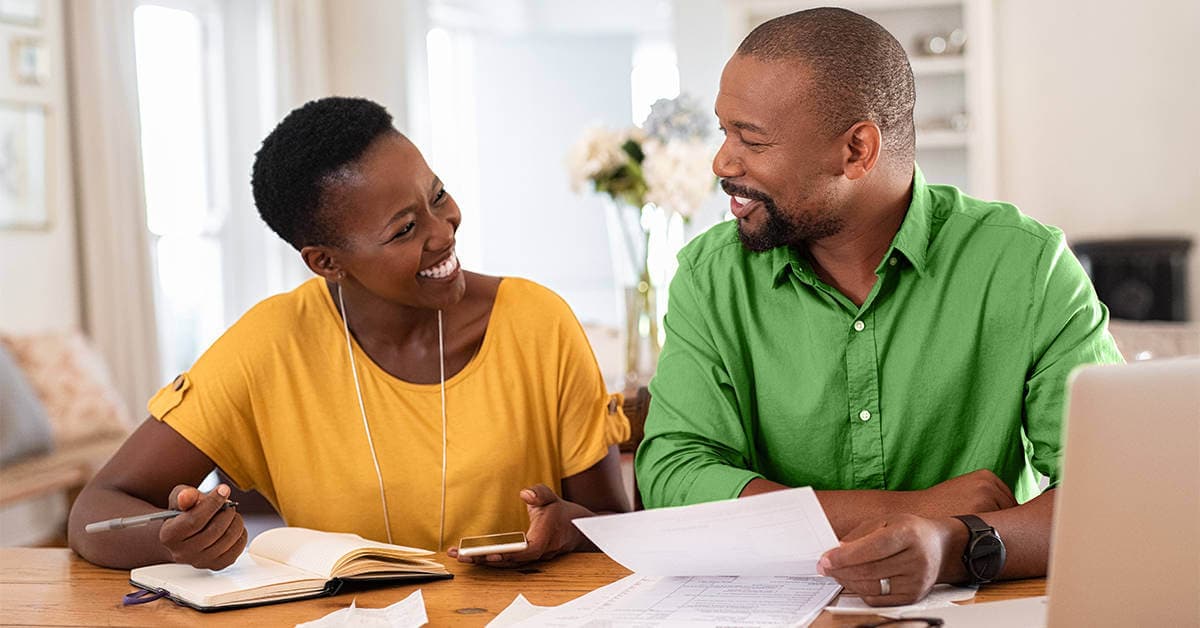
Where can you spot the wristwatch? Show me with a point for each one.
(985, 554)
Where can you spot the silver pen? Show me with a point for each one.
(121, 523)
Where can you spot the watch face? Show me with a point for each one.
(987, 556)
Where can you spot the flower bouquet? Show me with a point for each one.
(656, 176)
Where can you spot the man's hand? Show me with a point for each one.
(975, 492)
(205, 536)
(550, 530)
(912, 552)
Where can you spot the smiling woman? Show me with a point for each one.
(395, 395)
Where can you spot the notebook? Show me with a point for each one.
(285, 564)
(1124, 549)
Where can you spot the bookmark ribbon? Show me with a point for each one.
(141, 596)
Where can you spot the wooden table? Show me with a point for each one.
(44, 587)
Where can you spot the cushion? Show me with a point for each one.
(24, 428)
(73, 384)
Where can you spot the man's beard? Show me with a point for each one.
(780, 228)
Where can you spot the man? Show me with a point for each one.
(898, 346)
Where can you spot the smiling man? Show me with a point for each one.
(899, 346)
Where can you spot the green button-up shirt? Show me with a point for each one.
(957, 360)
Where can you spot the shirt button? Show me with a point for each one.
(865, 415)
(892, 262)
(859, 326)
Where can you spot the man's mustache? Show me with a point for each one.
(744, 192)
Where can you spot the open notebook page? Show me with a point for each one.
(322, 552)
(249, 577)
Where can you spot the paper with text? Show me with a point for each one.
(782, 533)
(652, 602)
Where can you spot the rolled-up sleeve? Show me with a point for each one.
(1069, 329)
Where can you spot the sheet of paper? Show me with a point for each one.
(407, 613)
(523, 610)
(941, 596)
(1027, 612)
(774, 534)
(520, 610)
(680, 601)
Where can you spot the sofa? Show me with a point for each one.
(60, 421)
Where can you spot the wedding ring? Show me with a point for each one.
(885, 586)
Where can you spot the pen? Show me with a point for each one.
(121, 523)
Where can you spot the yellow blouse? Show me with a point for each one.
(273, 403)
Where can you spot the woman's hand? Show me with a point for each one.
(550, 530)
(206, 535)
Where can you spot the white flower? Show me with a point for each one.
(678, 174)
(597, 152)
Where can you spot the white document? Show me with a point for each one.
(407, 613)
(517, 612)
(680, 601)
(521, 609)
(782, 533)
(941, 596)
(1028, 612)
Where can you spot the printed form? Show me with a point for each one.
(743, 562)
(653, 601)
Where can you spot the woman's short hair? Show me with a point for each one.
(292, 169)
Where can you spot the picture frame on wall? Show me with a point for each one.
(23, 166)
(29, 62)
(25, 12)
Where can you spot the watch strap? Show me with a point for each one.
(975, 524)
(977, 528)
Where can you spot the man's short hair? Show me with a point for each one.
(860, 71)
(291, 169)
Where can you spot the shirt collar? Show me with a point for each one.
(913, 237)
(912, 240)
(784, 260)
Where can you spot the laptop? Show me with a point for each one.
(1125, 549)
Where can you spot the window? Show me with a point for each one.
(176, 51)
(453, 146)
(655, 75)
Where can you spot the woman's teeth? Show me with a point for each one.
(445, 269)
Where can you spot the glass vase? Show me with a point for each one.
(641, 333)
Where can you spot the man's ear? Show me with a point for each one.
(320, 260)
(860, 152)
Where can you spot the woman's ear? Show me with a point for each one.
(319, 259)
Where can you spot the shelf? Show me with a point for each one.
(941, 138)
(946, 84)
(934, 66)
(884, 5)
(765, 9)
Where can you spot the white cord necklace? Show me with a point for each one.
(367, 427)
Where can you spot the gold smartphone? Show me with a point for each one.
(502, 543)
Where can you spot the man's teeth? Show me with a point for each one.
(741, 200)
(441, 270)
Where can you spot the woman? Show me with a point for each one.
(395, 395)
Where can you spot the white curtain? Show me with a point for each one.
(300, 60)
(301, 53)
(116, 266)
